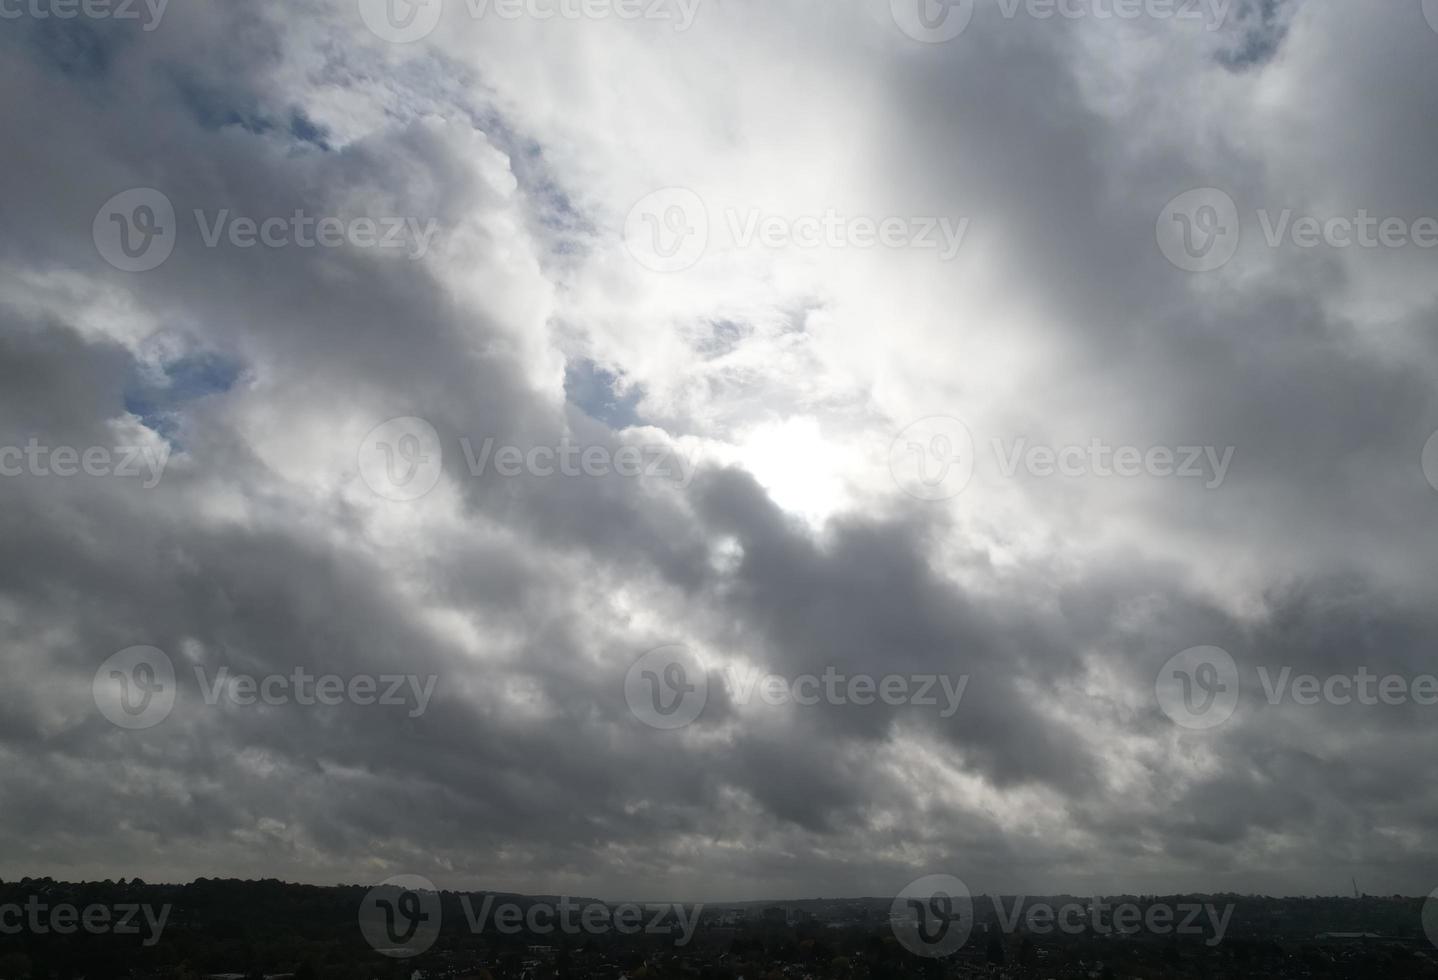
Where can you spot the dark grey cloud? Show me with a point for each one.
(262, 549)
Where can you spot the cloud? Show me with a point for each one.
(264, 547)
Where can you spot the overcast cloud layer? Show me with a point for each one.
(780, 381)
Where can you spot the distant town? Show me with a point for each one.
(270, 930)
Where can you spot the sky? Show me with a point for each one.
(549, 373)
